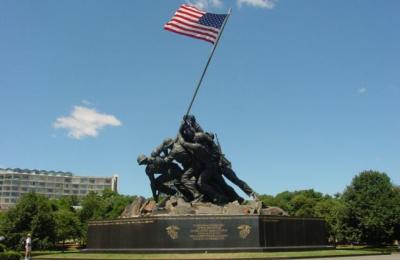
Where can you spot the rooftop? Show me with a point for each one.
(35, 171)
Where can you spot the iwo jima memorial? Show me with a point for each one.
(193, 208)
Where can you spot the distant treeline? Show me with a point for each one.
(368, 212)
(56, 221)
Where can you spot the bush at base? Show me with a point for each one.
(10, 255)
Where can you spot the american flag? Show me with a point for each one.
(192, 22)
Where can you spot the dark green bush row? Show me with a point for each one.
(10, 255)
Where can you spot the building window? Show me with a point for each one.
(35, 178)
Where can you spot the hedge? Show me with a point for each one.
(10, 255)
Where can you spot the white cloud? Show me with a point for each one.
(85, 122)
(206, 4)
(269, 4)
(362, 91)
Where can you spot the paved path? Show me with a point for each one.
(374, 257)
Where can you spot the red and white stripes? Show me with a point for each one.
(185, 21)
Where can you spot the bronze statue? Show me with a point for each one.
(167, 172)
(202, 165)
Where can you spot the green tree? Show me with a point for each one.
(303, 203)
(66, 202)
(369, 215)
(93, 207)
(283, 200)
(31, 214)
(68, 225)
(2, 222)
(107, 205)
(101, 206)
(267, 200)
(331, 210)
(298, 203)
(114, 203)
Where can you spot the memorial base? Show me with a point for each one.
(207, 233)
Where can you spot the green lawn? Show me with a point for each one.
(242, 255)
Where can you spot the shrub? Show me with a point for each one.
(10, 255)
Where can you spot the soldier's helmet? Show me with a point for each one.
(141, 158)
(211, 135)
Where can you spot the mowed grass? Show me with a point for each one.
(241, 255)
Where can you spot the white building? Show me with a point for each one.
(15, 182)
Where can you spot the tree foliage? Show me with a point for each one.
(69, 226)
(367, 212)
(297, 203)
(107, 205)
(371, 209)
(58, 220)
(32, 214)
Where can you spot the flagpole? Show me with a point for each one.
(208, 62)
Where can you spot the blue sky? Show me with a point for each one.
(302, 94)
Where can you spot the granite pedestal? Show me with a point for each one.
(207, 233)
